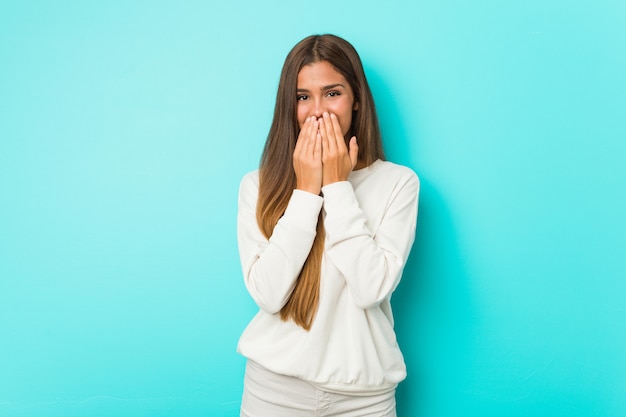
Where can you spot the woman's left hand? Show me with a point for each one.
(337, 160)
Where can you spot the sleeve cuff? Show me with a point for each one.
(304, 205)
(338, 193)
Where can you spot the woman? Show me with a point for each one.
(325, 227)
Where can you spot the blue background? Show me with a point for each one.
(125, 128)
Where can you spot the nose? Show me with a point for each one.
(318, 108)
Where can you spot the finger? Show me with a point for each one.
(317, 149)
(303, 129)
(310, 140)
(330, 142)
(299, 142)
(302, 140)
(312, 136)
(354, 151)
(323, 136)
(341, 142)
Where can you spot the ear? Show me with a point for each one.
(355, 106)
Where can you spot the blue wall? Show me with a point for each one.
(125, 128)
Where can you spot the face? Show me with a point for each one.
(321, 88)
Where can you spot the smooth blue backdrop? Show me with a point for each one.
(125, 127)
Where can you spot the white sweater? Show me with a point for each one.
(370, 226)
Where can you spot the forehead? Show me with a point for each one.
(319, 74)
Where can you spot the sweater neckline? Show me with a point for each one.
(360, 173)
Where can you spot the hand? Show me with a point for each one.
(337, 160)
(307, 157)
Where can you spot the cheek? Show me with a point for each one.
(301, 114)
(345, 121)
(344, 114)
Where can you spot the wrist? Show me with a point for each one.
(309, 188)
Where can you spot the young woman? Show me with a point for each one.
(325, 227)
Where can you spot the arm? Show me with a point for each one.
(271, 267)
(371, 263)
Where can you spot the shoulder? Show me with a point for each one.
(249, 188)
(391, 172)
(250, 180)
(400, 170)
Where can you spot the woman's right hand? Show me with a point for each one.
(307, 157)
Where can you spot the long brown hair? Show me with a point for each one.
(277, 178)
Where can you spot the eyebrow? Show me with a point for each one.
(326, 87)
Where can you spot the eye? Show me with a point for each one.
(302, 97)
(333, 93)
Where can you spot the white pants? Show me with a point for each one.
(267, 394)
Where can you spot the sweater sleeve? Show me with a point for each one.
(370, 261)
(271, 266)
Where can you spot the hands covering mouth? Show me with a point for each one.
(321, 156)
